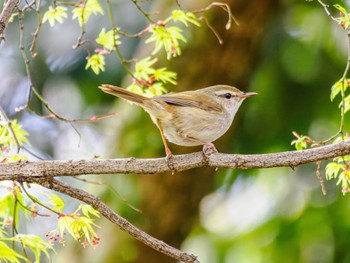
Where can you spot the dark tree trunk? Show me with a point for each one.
(170, 202)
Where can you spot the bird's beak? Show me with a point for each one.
(248, 94)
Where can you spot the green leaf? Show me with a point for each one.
(346, 104)
(56, 201)
(35, 243)
(6, 138)
(144, 69)
(184, 17)
(155, 89)
(88, 210)
(167, 38)
(97, 63)
(135, 88)
(79, 227)
(9, 210)
(337, 88)
(340, 8)
(332, 170)
(54, 15)
(9, 255)
(106, 39)
(300, 143)
(165, 76)
(83, 13)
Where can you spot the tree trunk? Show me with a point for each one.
(170, 203)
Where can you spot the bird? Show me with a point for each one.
(189, 118)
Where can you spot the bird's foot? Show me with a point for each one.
(209, 149)
(169, 160)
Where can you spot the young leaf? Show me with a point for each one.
(332, 170)
(165, 76)
(144, 69)
(97, 63)
(56, 202)
(346, 104)
(184, 17)
(54, 15)
(88, 210)
(106, 39)
(36, 244)
(83, 13)
(337, 88)
(7, 254)
(300, 143)
(167, 38)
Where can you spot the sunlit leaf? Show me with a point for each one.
(165, 76)
(36, 244)
(83, 13)
(346, 104)
(106, 39)
(337, 88)
(88, 210)
(332, 170)
(144, 69)
(341, 9)
(97, 63)
(300, 143)
(167, 38)
(7, 254)
(56, 202)
(54, 15)
(184, 17)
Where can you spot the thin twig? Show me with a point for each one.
(223, 6)
(113, 189)
(10, 129)
(145, 14)
(37, 31)
(35, 200)
(325, 7)
(212, 29)
(121, 59)
(82, 32)
(342, 80)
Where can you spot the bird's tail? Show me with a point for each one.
(124, 94)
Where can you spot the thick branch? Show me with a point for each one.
(115, 218)
(23, 171)
(5, 15)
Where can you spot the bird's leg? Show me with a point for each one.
(168, 153)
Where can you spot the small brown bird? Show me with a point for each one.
(189, 118)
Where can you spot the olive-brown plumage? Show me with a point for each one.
(189, 118)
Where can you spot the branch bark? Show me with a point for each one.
(5, 15)
(43, 173)
(26, 171)
(123, 224)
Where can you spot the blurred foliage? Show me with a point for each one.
(267, 215)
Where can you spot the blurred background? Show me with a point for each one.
(288, 51)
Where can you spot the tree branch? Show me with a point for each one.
(24, 170)
(115, 218)
(42, 172)
(5, 15)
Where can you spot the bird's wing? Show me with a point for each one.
(183, 100)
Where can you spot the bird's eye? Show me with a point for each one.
(228, 95)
